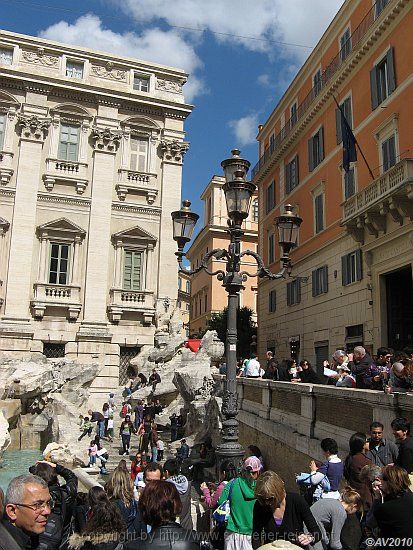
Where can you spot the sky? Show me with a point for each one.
(241, 55)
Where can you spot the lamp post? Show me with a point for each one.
(238, 193)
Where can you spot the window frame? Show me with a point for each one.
(345, 182)
(352, 267)
(61, 143)
(320, 281)
(270, 197)
(313, 159)
(347, 107)
(385, 155)
(74, 62)
(381, 89)
(255, 210)
(345, 47)
(3, 57)
(138, 155)
(272, 301)
(293, 292)
(317, 81)
(290, 181)
(316, 199)
(133, 252)
(294, 113)
(59, 244)
(137, 76)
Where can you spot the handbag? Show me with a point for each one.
(304, 480)
(221, 514)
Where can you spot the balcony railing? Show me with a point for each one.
(335, 64)
(390, 193)
(66, 171)
(130, 181)
(50, 295)
(134, 301)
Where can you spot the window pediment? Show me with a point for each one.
(141, 122)
(61, 228)
(135, 235)
(70, 109)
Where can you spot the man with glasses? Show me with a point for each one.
(381, 451)
(28, 505)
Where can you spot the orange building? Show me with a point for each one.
(184, 300)
(352, 274)
(207, 293)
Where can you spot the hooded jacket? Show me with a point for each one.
(184, 489)
(241, 505)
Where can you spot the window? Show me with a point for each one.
(271, 248)
(346, 109)
(68, 143)
(349, 184)
(380, 5)
(187, 306)
(52, 351)
(382, 79)
(132, 270)
(74, 69)
(2, 129)
(345, 44)
(351, 267)
(388, 151)
(316, 149)
(294, 292)
(188, 287)
(272, 142)
(294, 114)
(291, 175)
(319, 212)
(272, 301)
(141, 83)
(317, 82)
(179, 283)
(205, 303)
(270, 197)
(320, 280)
(255, 210)
(138, 154)
(59, 263)
(6, 56)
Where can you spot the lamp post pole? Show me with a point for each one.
(238, 194)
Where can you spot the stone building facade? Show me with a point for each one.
(91, 152)
(184, 300)
(352, 274)
(207, 293)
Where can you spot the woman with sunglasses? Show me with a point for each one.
(279, 515)
(308, 374)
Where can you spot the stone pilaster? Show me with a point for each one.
(33, 132)
(173, 152)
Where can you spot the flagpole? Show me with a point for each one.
(355, 140)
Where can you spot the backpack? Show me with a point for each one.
(222, 513)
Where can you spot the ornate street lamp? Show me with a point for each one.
(238, 194)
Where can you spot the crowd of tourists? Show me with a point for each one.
(388, 371)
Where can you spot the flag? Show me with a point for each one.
(349, 142)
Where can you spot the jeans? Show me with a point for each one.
(100, 428)
(174, 433)
(92, 460)
(154, 454)
(125, 442)
(88, 432)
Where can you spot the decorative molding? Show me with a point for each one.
(33, 127)
(176, 114)
(37, 88)
(62, 199)
(7, 192)
(172, 86)
(109, 72)
(39, 57)
(106, 140)
(173, 151)
(125, 207)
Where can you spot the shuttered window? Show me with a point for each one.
(138, 154)
(291, 175)
(2, 130)
(346, 109)
(319, 212)
(255, 210)
(382, 79)
(317, 82)
(351, 267)
(132, 270)
(294, 115)
(349, 184)
(294, 292)
(380, 5)
(345, 44)
(68, 143)
(272, 301)
(316, 149)
(271, 248)
(320, 281)
(59, 263)
(388, 149)
(270, 197)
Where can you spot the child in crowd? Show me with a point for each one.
(161, 448)
(110, 433)
(86, 427)
(92, 451)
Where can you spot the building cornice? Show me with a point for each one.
(63, 199)
(135, 209)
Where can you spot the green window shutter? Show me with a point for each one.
(136, 270)
(391, 75)
(297, 179)
(392, 151)
(289, 294)
(344, 270)
(63, 141)
(298, 283)
(373, 88)
(2, 129)
(310, 155)
(359, 265)
(288, 178)
(127, 270)
(321, 142)
(338, 126)
(325, 278)
(348, 112)
(314, 283)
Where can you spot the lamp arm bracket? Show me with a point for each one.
(218, 253)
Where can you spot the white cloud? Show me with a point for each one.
(156, 45)
(264, 79)
(245, 129)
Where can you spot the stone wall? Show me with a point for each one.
(288, 421)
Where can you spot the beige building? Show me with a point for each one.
(352, 269)
(184, 301)
(90, 168)
(207, 293)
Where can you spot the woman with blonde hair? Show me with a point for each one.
(281, 515)
(120, 491)
(331, 514)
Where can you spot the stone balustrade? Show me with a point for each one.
(287, 421)
(130, 181)
(66, 171)
(132, 301)
(57, 296)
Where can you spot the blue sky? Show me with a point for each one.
(235, 51)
